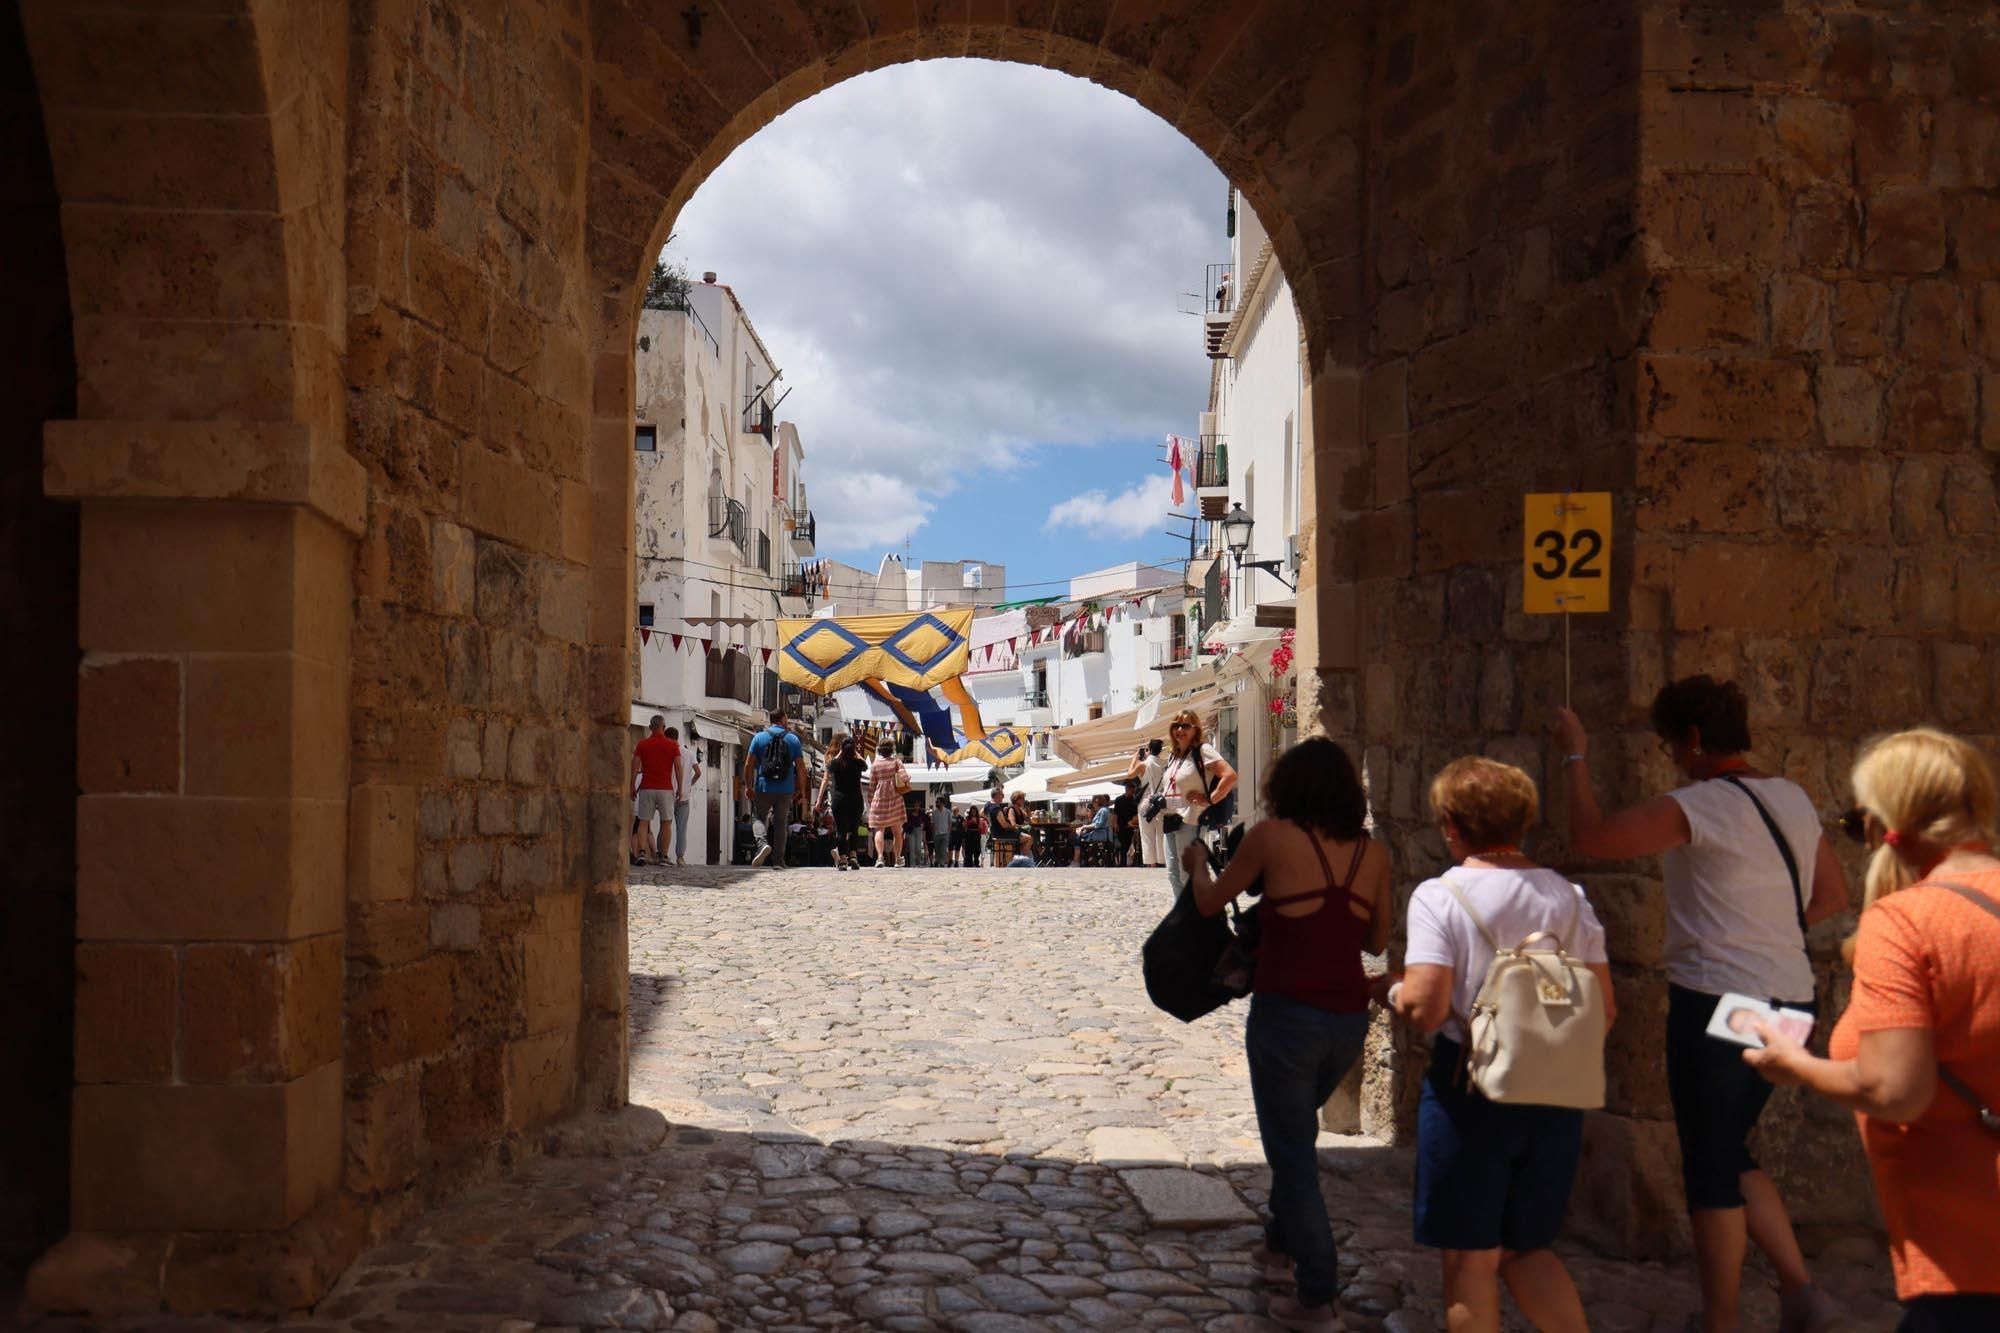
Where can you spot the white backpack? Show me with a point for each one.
(1535, 1036)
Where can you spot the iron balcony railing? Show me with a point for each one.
(1211, 462)
(805, 532)
(792, 581)
(726, 520)
(1219, 292)
(758, 417)
(1035, 699)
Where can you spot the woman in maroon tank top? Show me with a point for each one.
(1325, 900)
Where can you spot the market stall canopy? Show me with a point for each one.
(1110, 771)
(948, 777)
(1103, 739)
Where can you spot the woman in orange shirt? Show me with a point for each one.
(1917, 1054)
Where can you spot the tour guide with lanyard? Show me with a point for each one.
(1791, 868)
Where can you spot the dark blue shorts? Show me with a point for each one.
(1717, 1100)
(1489, 1176)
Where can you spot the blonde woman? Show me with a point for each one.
(887, 781)
(1917, 1054)
(1196, 782)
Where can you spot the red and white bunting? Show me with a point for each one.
(1013, 641)
(767, 655)
(677, 641)
(989, 652)
(645, 635)
(707, 646)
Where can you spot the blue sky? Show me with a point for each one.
(971, 273)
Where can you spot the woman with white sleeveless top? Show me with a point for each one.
(1493, 1178)
(1748, 868)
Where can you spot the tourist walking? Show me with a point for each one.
(1149, 770)
(656, 762)
(1493, 1177)
(1916, 1055)
(1747, 870)
(887, 781)
(1325, 901)
(843, 777)
(774, 769)
(689, 774)
(941, 832)
(1196, 782)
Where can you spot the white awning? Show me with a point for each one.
(1102, 739)
(947, 777)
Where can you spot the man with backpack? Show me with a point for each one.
(774, 769)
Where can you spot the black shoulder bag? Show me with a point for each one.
(1987, 1115)
(1784, 850)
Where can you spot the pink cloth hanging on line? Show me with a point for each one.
(1176, 462)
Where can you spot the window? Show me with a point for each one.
(1096, 711)
(1290, 512)
(646, 614)
(646, 439)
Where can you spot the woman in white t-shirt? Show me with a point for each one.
(1197, 779)
(1493, 1179)
(1748, 868)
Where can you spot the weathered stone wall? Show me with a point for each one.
(38, 555)
(470, 830)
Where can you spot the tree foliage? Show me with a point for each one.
(668, 288)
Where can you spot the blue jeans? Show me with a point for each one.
(1177, 842)
(1298, 1056)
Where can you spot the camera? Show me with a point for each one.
(1154, 804)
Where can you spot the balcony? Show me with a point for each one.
(727, 521)
(1211, 476)
(726, 675)
(1218, 309)
(763, 558)
(1168, 655)
(805, 532)
(1083, 642)
(795, 580)
(758, 417)
(1035, 699)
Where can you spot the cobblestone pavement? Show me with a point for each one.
(893, 1098)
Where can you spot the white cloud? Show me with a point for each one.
(1134, 512)
(958, 263)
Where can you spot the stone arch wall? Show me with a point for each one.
(354, 287)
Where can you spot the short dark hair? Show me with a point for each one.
(1314, 784)
(1715, 710)
(673, 733)
(1153, 746)
(777, 717)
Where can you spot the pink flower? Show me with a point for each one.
(1278, 707)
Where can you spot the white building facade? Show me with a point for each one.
(723, 532)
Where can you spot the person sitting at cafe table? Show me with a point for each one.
(1097, 829)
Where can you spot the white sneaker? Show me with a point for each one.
(763, 854)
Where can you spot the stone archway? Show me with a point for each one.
(353, 287)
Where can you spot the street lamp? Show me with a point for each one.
(1236, 526)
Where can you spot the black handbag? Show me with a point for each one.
(1195, 964)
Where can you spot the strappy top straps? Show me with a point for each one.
(1330, 885)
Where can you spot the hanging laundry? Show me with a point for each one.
(1177, 460)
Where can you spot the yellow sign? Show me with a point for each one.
(1566, 553)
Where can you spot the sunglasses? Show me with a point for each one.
(1181, 726)
(1854, 823)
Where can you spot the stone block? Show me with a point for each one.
(541, 1078)
(1934, 410)
(553, 970)
(1889, 142)
(1801, 312)
(1699, 130)
(1703, 487)
(1130, 1145)
(259, 1013)
(1696, 309)
(464, 1100)
(266, 724)
(1734, 585)
(388, 934)
(1628, 1199)
(249, 1158)
(502, 498)
(452, 581)
(384, 1123)
(398, 1014)
(455, 927)
(1635, 1071)
(1934, 320)
(1850, 407)
(128, 732)
(381, 843)
(243, 578)
(1698, 220)
(1729, 398)
(1183, 1200)
(1633, 911)
(188, 868)
(1817, 135)
(1978, 610)
(1975, 244)
(124, 1013)
(1905, 232)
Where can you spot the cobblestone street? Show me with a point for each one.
(899, 1100)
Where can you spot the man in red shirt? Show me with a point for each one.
(656, 763)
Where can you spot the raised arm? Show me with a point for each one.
(1640, 830)
(1211, 895)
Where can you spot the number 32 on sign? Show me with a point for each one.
(1566, 553)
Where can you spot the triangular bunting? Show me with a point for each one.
(767, 655)
(707, 646)
(677, 641)
(1012, 641)
(645, 635)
